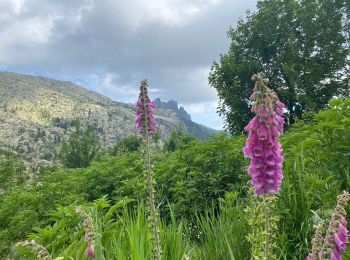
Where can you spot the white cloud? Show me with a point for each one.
(30, 31)
(200, 108)
(108, 85)
(110, 45)
(12, 7)
(20, 35)
(205, 112)
(88, 6)
(168, 12)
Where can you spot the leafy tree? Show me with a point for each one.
(81, 148)
(347, 44)
(282, 39)
(129, 144)
(178, 139)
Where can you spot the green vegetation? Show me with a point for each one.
(283, 40)
(12, 171)
(81, 148)
(178, 139)
(129, 144)
(95, 205)
(204, 199)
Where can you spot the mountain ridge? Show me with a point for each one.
(36, 113)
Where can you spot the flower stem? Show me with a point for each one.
(267, 233)
(153, 210)
(145, 122)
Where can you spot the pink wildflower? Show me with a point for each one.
(91, 251)
(262, 145)
(341, 239)
(90, 231)
(144, 117)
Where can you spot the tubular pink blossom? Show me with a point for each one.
(263, 112)
(90, 231)
(91, 252)
(262, 132)
(144, 118)
(262, 145)
(253, 124)
(341, 239)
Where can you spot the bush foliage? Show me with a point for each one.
(202, 192)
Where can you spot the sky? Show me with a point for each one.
(109, 46)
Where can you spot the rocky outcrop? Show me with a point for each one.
(173, 105)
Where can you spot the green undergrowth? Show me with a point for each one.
(202, 193)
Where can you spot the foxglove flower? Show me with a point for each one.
(262, 145)
(147, 125)
(337, 237)
(90, 252)
(341, 239)
(90, 232)
(144, 116)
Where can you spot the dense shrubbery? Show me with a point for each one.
(12, 171)
(81, 148)
(204, 184)
(131, 143)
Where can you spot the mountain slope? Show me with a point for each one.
(36, 113)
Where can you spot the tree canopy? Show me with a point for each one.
(302, 46)
(178, 140)
(129, 144)
(81, 148)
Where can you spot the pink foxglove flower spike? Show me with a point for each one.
(341, 239)
(336, 238)
(147, 125)
(262, 145)
(144, 116)
(90, 232)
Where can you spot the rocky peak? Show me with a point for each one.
(173, 105)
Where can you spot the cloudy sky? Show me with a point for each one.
(111, 45)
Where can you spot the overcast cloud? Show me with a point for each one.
(111, 45)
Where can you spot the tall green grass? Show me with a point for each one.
(222, 233)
